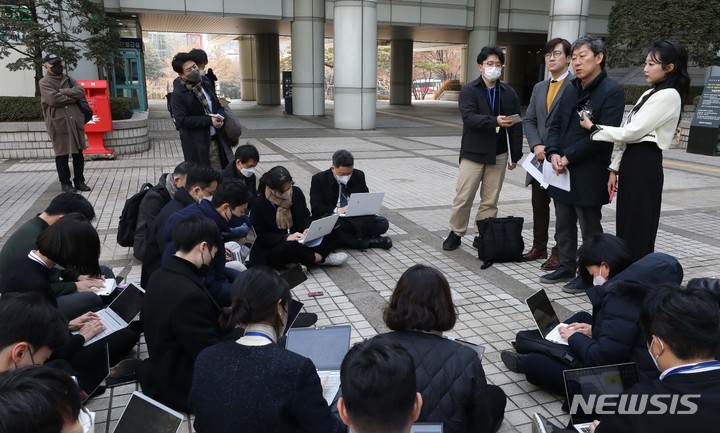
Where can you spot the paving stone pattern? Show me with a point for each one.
(412, 156)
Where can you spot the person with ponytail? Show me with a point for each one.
(648, 130)
(253, 384)
(280, 217)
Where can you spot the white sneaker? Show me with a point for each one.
(335, 259)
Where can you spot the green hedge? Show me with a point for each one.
(27, 109)
(633, 93)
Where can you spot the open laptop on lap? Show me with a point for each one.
(326, 348)
(590, 383)
(120, 312)
(318, 229)
(364, 203)
(145, 415)
(545, 317)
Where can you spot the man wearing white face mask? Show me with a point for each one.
(330, 191)
(489, 135)
(247, 158)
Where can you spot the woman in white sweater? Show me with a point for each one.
(648, 130)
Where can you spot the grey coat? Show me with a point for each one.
(64, 120)
(537, 118)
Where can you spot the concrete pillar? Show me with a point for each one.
(568, 19)
(308, 58)
(483, 33)
(247, 67)
(462, 77)
(355, 30)
(267, 69)
(401, 55)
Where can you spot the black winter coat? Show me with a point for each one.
(588, 160)
(150, 207)
(324, 191)
(616, 333)
(231, 173)
(189, 114)
(479, 139)
(451, 380)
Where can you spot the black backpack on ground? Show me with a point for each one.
(129, 216)
(500, 240)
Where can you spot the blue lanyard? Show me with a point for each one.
(698, 366)
(492, 98)
(258, 334)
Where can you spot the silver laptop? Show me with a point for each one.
(545, 317)
(120, 312)
(318, 229)
(364, 203)
(583, 387)
(145, 415)
(326, 348)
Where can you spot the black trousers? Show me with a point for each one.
(289, 252)
(356, 232)
(640, 197)
(498, 400)
(567, 217)
(541, 215)
(78, 161)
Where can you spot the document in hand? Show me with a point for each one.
(558, 180)
(533, 167)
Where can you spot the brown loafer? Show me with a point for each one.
(553, 262)
(534, 254)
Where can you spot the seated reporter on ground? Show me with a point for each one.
(450, 376)
(179, 315)
(30, 330)
(681, 329)
(247, 158)
(280, 218)
(378, 383)
(71, 242)
(611, 334)
(253, 384)
(330, 191)
(74, 292)
(40, 399)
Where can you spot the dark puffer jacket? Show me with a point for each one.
(451, 380)
(616, 333)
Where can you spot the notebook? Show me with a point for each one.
(90, 381)
(120, 312)
(326, 348)
(545, 317)
(364, 203)
(318, 229)
(586, 384)
(145, 415)
(107, 288)
(294, 276)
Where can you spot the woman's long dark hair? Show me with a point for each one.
(667, 52)
(274, 178)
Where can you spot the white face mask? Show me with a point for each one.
(343, 179)
(208, 198)
(87, 420)
(247, 172)
(598, 280)
(653, 357)
(492, 74)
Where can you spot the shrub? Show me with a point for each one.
(447, 85)
(633, 93)
(28, 109)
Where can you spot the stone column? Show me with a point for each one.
(483, 33)
(568, 19)
(355, 29)
(267, 69)
(308, 58)
(463, 65)
(247, 67)
(401, 55)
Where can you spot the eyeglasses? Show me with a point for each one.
(554, 54)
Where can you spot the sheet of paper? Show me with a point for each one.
(533, 167)
(109, 286)
(558, 180)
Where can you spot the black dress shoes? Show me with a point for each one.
(82, 186)
(452, 242)
(66, 187)
(383, 242)
(534, 254)
(559, 276)
(575, 287)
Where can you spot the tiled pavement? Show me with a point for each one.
(412, 156)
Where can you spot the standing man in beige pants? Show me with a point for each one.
(486, 105)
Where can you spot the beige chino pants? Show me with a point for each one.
(489, 178)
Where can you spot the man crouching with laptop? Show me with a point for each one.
(682, 329)
(330, 192)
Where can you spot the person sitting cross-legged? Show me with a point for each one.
(330, 191)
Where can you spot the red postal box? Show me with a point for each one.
(96, 92)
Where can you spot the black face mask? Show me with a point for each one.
(56, 69)
(194, 77)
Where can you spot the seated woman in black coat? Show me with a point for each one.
(611, 334)
(280, 218)
(449, 375)
(253, 384)
(71, 242)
